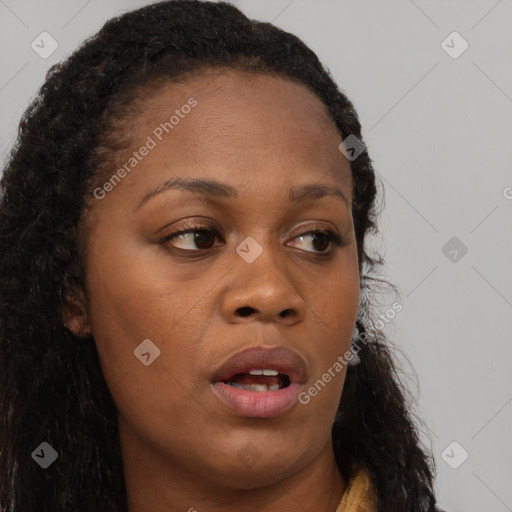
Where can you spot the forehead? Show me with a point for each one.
(231, 92)
(244, 128)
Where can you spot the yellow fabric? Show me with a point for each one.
(359, 494)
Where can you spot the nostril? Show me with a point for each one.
(245, 311)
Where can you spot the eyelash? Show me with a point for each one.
(335, 240)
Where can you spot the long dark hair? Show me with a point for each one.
(51, 385)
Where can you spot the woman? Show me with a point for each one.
(185, 307)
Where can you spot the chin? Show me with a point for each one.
(262, 474)
(255, 464)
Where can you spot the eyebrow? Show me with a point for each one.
(212, 188)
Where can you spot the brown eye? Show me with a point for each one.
(203, 239)
(321, 240)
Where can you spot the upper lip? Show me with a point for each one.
(277, 358)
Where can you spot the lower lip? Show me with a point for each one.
(257, 404)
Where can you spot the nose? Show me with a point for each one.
(262, 291)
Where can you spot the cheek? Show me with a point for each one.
(333, 306)
(144, 342)
(333, 302)
(139, 320)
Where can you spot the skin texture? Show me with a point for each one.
(182, 448)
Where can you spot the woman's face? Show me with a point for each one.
(255, 279)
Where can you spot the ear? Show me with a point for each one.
(74, 315)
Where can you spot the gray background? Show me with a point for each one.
(438, 130)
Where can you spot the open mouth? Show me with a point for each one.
(259, 380)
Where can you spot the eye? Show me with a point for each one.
(321, 240)
(203, 238)
(200, 236)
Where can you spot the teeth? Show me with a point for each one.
(255, 387)
(268, 373)
(236, 385)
